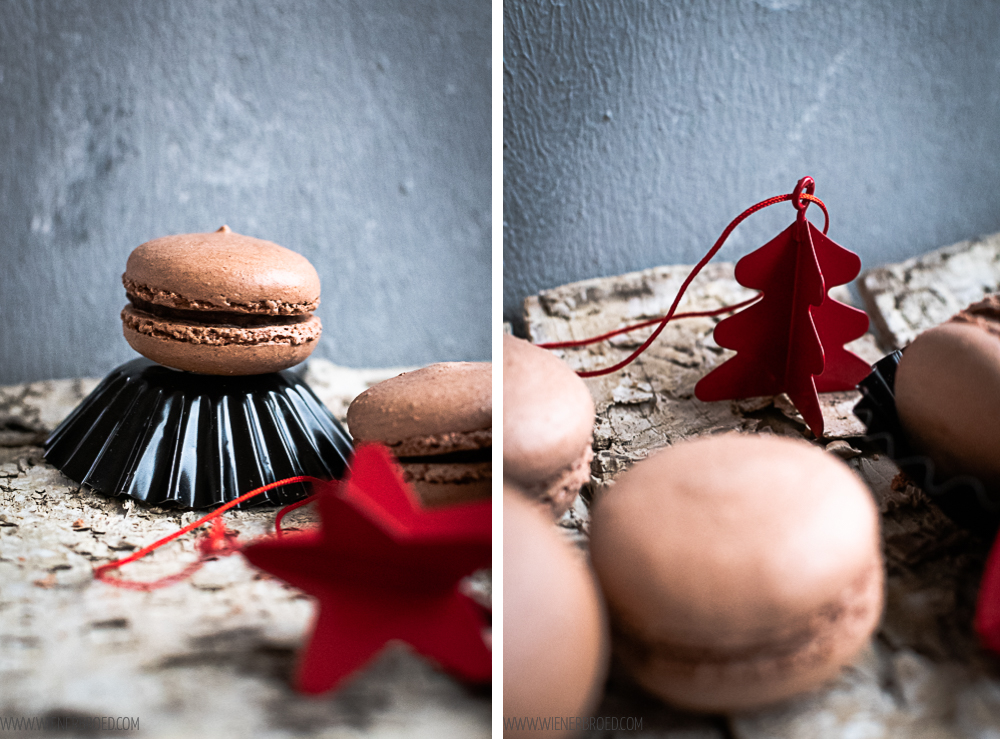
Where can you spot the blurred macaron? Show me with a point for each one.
(739, 570)
(555, 643)
(947, 391)
(548, 425)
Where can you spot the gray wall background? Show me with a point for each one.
(635, 131)
(356, 133)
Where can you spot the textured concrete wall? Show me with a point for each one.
(357, 133)
(635, 131)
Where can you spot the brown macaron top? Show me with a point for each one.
(438, 409)
(756, 555)
(947, 391)
(782, 522)
(222, 271)
(548, 412)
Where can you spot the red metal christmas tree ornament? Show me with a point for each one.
(791, 337)
(792, 340)
(382, 568)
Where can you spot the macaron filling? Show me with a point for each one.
(465, 456)
(560, 489)
(437, 445)
(284, 330)
(451, 474)
(454, 467)
(215, 317)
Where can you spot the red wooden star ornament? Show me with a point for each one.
(383, 568)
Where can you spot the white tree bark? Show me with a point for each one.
(211, 656)
(924, 675)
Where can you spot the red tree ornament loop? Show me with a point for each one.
(808, 184)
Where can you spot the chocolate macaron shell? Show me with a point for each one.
(222, 270)
(947, 392)
(555, 646)
(548, 415)
(437, 409)
(739, 570)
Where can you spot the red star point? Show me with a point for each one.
(383, 568)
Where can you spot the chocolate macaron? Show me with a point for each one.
(555, 641)
(739, 570)
(548, 425)
(220, 304)
(438, 421)
(947, 388)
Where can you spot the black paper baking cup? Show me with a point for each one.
(181, 439)
(964, 498)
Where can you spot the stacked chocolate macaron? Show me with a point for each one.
(208, 414)
(220, 303)
(438, 421)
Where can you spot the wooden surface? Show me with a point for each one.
(923, 674)
(651, 402)
(903, 299)
(210, 657)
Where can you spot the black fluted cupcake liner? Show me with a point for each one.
(173, 438)
(964, 498)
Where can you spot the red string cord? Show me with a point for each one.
(220, 542)
(288, 509)
(636, 326)
(670, 316)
